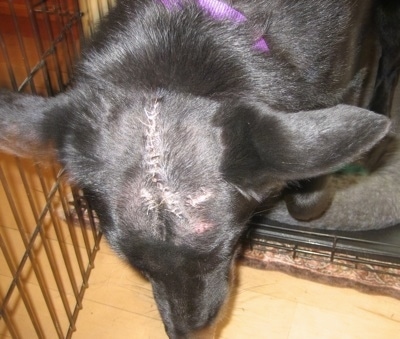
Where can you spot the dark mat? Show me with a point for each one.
(366, 261)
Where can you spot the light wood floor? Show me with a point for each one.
(119, 304)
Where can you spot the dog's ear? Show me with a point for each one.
(28, 123)
(261, 144)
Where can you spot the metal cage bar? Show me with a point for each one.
(48, 233)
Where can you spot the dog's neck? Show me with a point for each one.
(220, 10)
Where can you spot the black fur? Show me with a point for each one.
(176, 127)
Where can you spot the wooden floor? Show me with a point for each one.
(119, 305)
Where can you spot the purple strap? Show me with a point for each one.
(220, 10)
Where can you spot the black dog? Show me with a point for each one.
(181, 120)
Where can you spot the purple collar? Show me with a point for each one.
(220, 10)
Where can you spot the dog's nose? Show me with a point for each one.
(206, 333)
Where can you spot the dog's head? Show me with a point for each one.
(174, 177)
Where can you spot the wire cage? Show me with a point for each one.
(48, 234)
